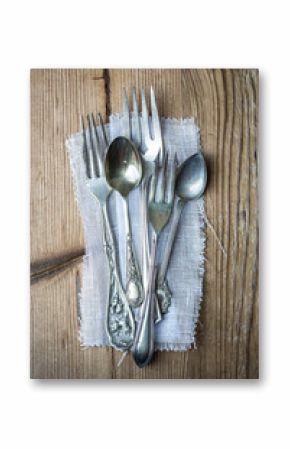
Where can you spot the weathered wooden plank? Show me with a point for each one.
(58, 97)
(225, 104)
(55, 348)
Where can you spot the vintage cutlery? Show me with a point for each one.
(154, 154)
(139, 131)
(123, 168)
(161, 196)
(120, 322)
(154, 150)
(190, 185)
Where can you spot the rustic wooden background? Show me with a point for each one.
(225, 105)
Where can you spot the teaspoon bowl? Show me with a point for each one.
(123, 166)
(192, 178)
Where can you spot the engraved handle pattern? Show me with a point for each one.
(120, 321)
(163, 291)
(145, 247)
(134, 287)
(144, 345)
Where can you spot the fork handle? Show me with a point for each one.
(145, 244)
(120, 323)
(170, 241)
(144, 342)
(163, 292)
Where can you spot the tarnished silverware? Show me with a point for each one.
(138, 130)
(120, 322)
(190, 185)
(153, 154)
(161, 195)
(123, 169)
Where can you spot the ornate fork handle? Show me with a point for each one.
(120, 322)
(144, 342)
(163, 292)
(145, 239)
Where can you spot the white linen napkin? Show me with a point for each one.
(176, 331)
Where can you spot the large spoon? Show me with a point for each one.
(190, 185)
(123, 169)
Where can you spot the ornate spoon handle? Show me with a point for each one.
(120, 321)
(134, 287)
(144, 343)
(163, 292)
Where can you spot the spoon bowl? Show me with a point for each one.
(190, 185)
(123, 166)
(192, 178)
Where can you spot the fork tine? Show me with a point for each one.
(134, 101)
(92, 152)
(156, 127)
(97, 149)
(126, 116)
(145, 118)
(85, 147)
(95, 131)
(86, 152)
(135, 119)
(104, 134)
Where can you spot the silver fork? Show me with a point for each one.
(154, 154)
(139, 131)
(120, 322)
(161, 198)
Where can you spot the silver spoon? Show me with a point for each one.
(120, 324)
(123, 169)
(190, 185)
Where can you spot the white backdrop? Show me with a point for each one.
(205, 414)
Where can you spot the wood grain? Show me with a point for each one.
(225, 105)
(57, 99)
(55, 349)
